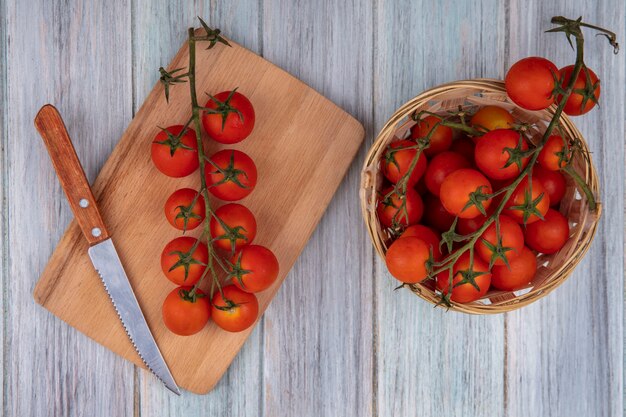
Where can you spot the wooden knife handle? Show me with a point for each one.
(71, 175)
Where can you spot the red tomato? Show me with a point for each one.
(230, 175)
(254, 269)
(180, 265)
(582, 98)
(232, 117)
(428, 235)
(468, 226)
(436, 215)
(397, 162)
(440, 167)
(406, 259)
(518, 274)
(536, 201)
(493, 153)
(511, 239)
(492, 118)
(548, 236)
(465, 292)
(182, 211)
(530, 83)
(441, 138)
(464, 146)
(554, 154)
(456, 191)
(553, 183)
(390, 210)
(241, 224)
(174, 155)
(184, 316)
(238, 311)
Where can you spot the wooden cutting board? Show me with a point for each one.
(302, 145)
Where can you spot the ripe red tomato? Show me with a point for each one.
(397, 161)
(436, 215)
(493, 154)
(553, 183)
(230, 175)
(550, 235)
(180, 265)
(492, 118)
(440, 167)
(522, 196)
(183, 316)
(518, 274)
(238, 312)
(390, 211)
(441, 138)
(511, 239)
(254, 269)
(232, 117)
(580, 101)
(554, 154)
(428, 235)
(406, 259)
(241, 224)
(530, 83)
(468, 226)
(464, 146)
(465, 292)
(173, 155)
(457, 189)
(182, 211)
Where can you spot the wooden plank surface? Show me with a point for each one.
(563, 354)
(49, 368)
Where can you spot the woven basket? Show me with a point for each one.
(472, 94)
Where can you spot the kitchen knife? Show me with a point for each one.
(101, 251)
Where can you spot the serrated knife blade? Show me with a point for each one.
(105, 259)
(102, 252)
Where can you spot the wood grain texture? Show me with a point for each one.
(49, 368)
(431, 362)
(290, 117)
(562, 356)
(51, 127)
(318, 357)
(572, 364)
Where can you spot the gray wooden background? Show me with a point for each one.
(337, 340)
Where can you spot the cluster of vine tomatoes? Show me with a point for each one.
(230, 175)
(442, 185)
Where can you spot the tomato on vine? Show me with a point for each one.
(395, 210)
(501, 154)
(549, 235)
(396, 162)
(232, 227)
(184, 260)
(517, 274)
(586, 90)
(406, 259)
(468, 283)
(185, 209)
(531, 83)
(491, 118)
(555, 154)
(230, 175)
(183, 314)
(465, 193)
(254, 268)
(236, 310)
(228, 117)
(553, 183)
(500, 248)
(528, 203)
(440, 139)
(428, 235)
(174, 152)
